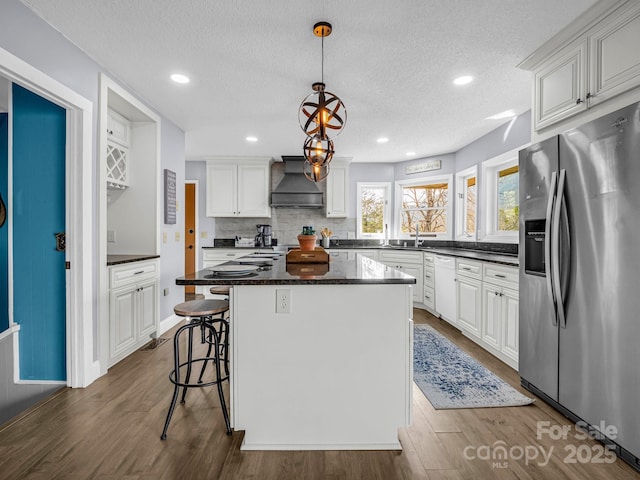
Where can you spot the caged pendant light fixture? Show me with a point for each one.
(322, 116)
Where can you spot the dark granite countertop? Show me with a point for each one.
(503, 258)
(339, 271)
(119, 259)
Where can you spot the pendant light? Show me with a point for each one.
(322, 116)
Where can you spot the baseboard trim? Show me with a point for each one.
(168, 323)
(321, 446)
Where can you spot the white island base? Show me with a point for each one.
(333, 374)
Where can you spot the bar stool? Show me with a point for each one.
(220, 290)
(208, 316)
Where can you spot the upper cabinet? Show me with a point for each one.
(239, 187)
(118, 133)
(337, 204)
(597, 62)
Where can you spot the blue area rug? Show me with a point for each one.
(450, 378)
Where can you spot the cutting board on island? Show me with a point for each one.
(317, 255)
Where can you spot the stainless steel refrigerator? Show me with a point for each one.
(580, 276)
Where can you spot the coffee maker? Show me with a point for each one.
(263, 238)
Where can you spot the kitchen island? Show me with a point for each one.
(321, 354)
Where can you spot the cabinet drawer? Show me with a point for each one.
(429, 297)
(501, 275)
(132, 273)
(117, 128)
(469, 268)
(429, 276)
(428, 260)
(400, 257)
(224, 255)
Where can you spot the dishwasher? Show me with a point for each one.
(445, 283)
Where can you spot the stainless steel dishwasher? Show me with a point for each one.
(445, 282)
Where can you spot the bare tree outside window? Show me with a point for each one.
(426, 206)
(508, 202)
(372, 201)
(470, 208)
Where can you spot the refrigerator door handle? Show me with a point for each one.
(547, 246)
(555, 250)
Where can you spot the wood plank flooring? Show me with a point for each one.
(111, 430)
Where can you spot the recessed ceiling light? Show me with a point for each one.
(502, 115)
(382, 140)
(180, 78)
(251, 139)
(411, 154)
(463, 80)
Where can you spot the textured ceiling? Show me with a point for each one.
(253, 61)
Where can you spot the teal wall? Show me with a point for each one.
(39, 136)
(4, 249)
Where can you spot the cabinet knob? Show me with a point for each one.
(578, 101)
(589, 95)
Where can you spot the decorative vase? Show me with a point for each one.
(307, 242)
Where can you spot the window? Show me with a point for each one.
(466, 203)
(501, 180)
(424, 204)
(373, 209)
(508, 199)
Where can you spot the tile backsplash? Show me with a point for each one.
(286, 224)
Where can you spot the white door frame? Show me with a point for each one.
(108, 86)
(82, 369)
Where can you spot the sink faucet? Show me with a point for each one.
(416, 243)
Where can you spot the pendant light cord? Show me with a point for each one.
(322, 63)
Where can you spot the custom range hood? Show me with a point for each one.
(295, 190)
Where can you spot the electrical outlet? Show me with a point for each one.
(203, 235)
(164, 237)
(283, 301)
(177, 236)
(111, 236)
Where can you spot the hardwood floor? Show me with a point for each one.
(111, 430)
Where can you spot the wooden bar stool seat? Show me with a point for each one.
(220, 290)
(209, 317)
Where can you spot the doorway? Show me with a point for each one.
(38, 226)
(81, 366)
(190, 234)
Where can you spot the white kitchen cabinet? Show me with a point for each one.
(351, 253)
(613, 54)
(596, 64)
(238, 188)
(337, 204)
(560, 86)
(409, 262)
(491, 316)
(429, 282)
(133, 307)
(117, 157)
(468, 302)
(500, 312)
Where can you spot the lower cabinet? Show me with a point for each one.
(411, 263)
(487, 300)
(469, 301)
(500, 322)
(133, 308)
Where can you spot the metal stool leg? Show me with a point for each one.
(189, 361)
(223, 403)
(176, 373)
(209, 348)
